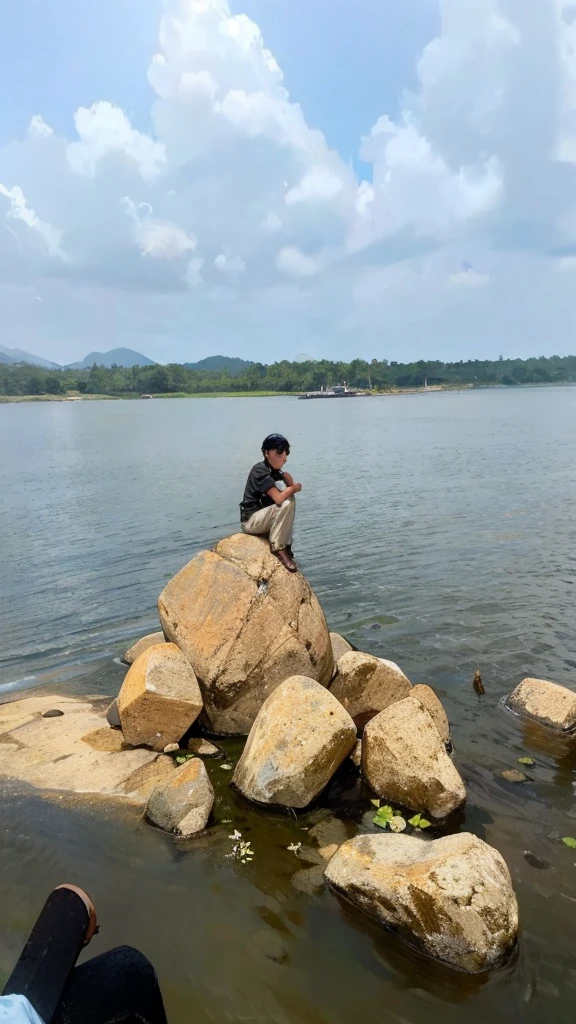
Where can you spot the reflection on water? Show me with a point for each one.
(438, 532)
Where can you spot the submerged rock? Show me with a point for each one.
(405, 761)
(340, 646)
(159, 699)
(513, 775)
(365, 685)
(452, 897)
(134, 652)
(202, 747)
(300, 737)
(184, 803)
(245, 625)
(434, 706)
(549, 703)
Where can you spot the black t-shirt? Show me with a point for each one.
(260, 479)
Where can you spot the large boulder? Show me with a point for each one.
(183, 804)
(142, 645)
(160, 698)
(549, 703)
(433, 705)
(451, 897)
(405, 761)
(245, 625)
(300, 737)
(365, 685)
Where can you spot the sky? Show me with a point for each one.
(263, 178)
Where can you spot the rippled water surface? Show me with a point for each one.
(439, 531)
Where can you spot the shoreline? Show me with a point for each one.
(432, 389)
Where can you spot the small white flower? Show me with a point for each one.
(294, 848)
(235, 835)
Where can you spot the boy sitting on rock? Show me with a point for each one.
(267, 508)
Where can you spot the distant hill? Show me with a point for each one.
(215, 364)
(18, 355)
(115, 357)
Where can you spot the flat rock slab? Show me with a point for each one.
(76, 753)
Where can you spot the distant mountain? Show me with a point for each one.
(18, 355)
(215, 364)
(115, 357)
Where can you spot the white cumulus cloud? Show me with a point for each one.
(226, 212)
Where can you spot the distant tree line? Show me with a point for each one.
(24, 379)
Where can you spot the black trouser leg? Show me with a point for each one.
(119, 987)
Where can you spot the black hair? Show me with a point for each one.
(275, 443)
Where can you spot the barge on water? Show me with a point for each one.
(340, 391)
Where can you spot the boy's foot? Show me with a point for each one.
(287, 562)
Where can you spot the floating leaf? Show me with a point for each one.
(397, 823)
(527, 761)
(419, 822)
(226, 767)
(383, 816)
(569, 841)
(375, 802)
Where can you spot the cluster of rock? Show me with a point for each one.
(245, 650)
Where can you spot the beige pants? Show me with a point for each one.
(277, 521)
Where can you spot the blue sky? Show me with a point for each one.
(187, 177)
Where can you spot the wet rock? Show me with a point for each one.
(451, 897)
(113, 715)
(300, 737)
(478, 684)
(183, 804)
(365, 685)
(202, 747)
(513, 775)
(340, 646)
(356, 755)
(245, 625)
(309, 880)
(53, 713)
(433, 705)
(549, 703)
(159, 699)
(134, 652)
(270, 943)
(329, 834)
(536, 862)
(404, 760)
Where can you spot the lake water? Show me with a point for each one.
(437, 530)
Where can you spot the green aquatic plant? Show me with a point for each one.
(527, 761)
(384, 816)
(419, 822)
(569, 841)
